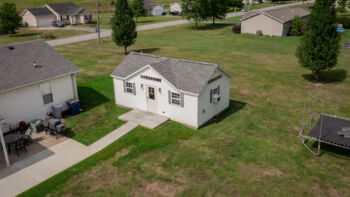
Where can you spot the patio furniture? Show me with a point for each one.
(14, 141)
(27, 137)
(54, 127)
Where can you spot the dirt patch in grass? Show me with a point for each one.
(255, 171)
(158, 189)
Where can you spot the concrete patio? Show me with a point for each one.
(143, 118)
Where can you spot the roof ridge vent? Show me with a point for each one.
(36, 65)
(11, 47)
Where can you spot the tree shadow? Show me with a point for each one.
(147, 50)
(24, 35)
(209, 26)
(234, 106)
(146, 21)
(329, 76)
(90, 98)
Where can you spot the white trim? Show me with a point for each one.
(58, 76)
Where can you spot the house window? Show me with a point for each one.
(175, 98)
(129, 87)
(215, 95)
(46, 93)
(86, 17)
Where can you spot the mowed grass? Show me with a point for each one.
(254, 150)
(25, 34)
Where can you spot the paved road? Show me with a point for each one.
(106, 33)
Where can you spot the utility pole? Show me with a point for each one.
(98, 21)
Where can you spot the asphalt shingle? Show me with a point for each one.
(189, 76)
(40, 11)
(281, 14)
(17, 64)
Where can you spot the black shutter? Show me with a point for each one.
(124, 85)
(134, 88)
(182, 100)
(211, 96)
(169, 96)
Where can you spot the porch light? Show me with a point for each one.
(160, 90)
(141, 85)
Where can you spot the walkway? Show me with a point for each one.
(29, 172)
(143, 118)
(107, 33)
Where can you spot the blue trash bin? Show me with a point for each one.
(74, 106)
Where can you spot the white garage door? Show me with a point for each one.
(44, 21)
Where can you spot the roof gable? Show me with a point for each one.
(38, 11)
(188, 76)
(17, 65)
(69, 8)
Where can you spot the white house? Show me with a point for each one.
(189, 92)
(176, 7)
(276, 22)
(37, 17)
(153, 9)
(70, 13)
(33, 77)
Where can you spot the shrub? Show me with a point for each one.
(298, 27)
(236, 29)
(48, 35)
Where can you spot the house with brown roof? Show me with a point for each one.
(37, 17)
(275, 22)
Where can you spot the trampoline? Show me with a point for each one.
(328, 129)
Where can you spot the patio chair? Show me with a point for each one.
(27, 137)
(20, 144)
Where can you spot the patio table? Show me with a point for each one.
(11, 139)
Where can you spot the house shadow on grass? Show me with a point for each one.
(90, 98)
(147, 50)
(329, 76)
(234, 106)
(24, 35)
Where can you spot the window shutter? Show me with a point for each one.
(211, 96)
(124, 85)
(182, 100)
(134, 88)
(218, 90)
(169, 96)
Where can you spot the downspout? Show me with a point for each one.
(74, 84)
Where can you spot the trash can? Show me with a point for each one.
(74, 106)
(57, 111)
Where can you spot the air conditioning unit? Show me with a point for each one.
(216, 98)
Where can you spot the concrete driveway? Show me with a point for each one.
(108, 33)
(143, 118)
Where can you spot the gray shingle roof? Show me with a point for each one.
(68, 8)
(40, 11)
(281, 14)
(189, 76)
(17, 65)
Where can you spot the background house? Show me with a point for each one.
(153, 9)
(37, 17)
(33, 77)
(176, 7)
(276, 22)
(70, 13)
(185, 91)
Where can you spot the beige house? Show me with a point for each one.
(69, 13)
(276, 22)
(37, 17)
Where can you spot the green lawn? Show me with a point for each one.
(253, 150)
(25, 34)
(105, 18)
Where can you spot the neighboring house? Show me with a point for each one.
(153, 9)
(37, 17)
(176, 7)
(70, 13)
(112, 7)
(250, 2)
(33, 77)
(276, 22)
(189, 92)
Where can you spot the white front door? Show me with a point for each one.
(152, 105)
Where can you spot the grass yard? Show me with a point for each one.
(104, 20)
(25, 34)
(254, 150)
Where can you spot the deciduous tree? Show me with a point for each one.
(10, 20)
(193, 10)
(138, 8)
